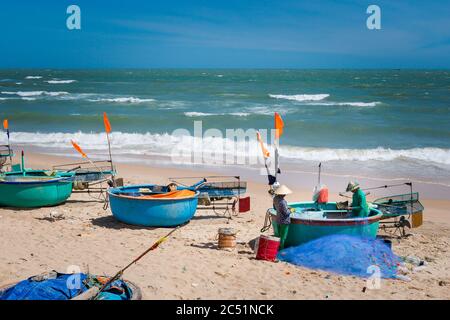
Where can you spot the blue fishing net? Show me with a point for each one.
(344, 254)
(59, 288)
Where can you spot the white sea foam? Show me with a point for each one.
(24, 93)
(33, 77)
(203, 114)
(267, 111)
(122, 100)
(198, 114)
(311, 99)
(55, 93)
(437, 155)
(300, 97)
(28, 98)
(239, 114)
(350, 104)
(164, 144)
(35, 93)
(54, 81)
(92, 97)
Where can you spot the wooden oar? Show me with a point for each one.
(119, 274)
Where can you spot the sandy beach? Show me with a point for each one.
(189, 265)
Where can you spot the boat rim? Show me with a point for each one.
(112, 190)
(352, 221)
(33, 180)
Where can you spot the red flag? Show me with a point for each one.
(279, 124)
(77, 147)
(5, 124)
(106, 122)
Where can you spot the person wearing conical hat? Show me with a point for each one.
(359, 205)
(283, 213)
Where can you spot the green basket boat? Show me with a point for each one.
(311, 221)
(31, 190)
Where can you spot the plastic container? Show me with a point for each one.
(267, 248)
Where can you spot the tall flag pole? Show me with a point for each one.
(6, 127)
(279, 125)
(108, 131)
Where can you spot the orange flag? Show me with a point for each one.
(266, 153)
(77, 147)
(5, 124)
(279, 124)
(106, 122)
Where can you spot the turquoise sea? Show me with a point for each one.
(381, 123)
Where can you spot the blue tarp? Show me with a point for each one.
(344, 254)
(62, 288)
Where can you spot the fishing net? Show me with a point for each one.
(344, 254)
(402, 204)
(58, 286)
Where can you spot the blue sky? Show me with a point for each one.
(225, 34)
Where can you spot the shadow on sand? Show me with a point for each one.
(208, 217)
(111, 223)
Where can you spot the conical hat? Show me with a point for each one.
(352, 186)
(282, 190)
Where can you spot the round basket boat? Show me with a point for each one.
(136, 293)
(152, 205)
(23, 191)
(311, 221)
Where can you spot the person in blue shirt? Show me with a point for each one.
(283, 213)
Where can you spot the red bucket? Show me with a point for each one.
(244, 204)
(267, 248)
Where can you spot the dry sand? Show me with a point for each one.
(189, 265)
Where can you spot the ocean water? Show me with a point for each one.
(389, 124)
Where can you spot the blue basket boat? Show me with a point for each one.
(311, 221)
(152, 205)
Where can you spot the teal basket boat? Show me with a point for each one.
(311, 221)
(26, 190)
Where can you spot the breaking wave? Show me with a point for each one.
(204, 114)
(63, 95)
(317, 100)
(351, 104)
(35, 93)
(164, 144)
(60, 81)
(300, 97)
(122, 100)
